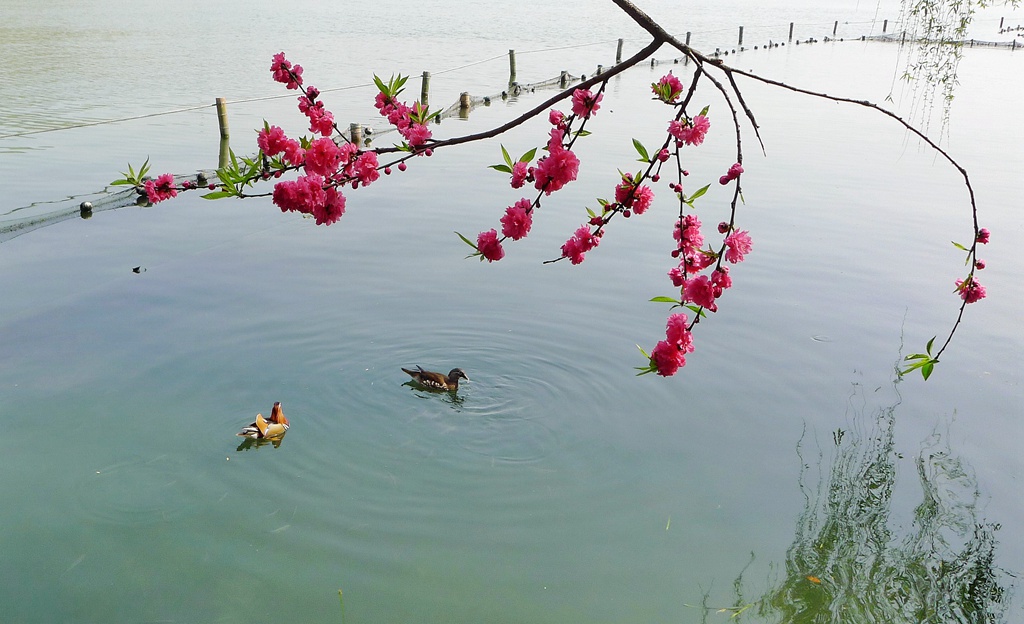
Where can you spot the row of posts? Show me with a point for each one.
(464, 99)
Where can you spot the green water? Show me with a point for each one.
(556, 486)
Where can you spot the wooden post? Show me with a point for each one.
(618, 53)
(686, 59)
(835, 27)
(563, 79)
(224, 156)
(425, 88)
(511, 66)
(222, 117)
(464, 102)
(885, 25)
(741, 36)
(791, 31)
(1000, 24)
(355, 133)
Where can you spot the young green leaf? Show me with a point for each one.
(666, 300)
(468, 242)
(640, 149)
(528, 156)
(698, 193)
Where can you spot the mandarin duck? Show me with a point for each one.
(267, 428)
(437, 381)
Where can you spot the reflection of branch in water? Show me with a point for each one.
(847, 565)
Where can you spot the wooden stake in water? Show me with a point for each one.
(740, 42)
(355, 133)
(835, 27)
(222, 117)
(618, 51)
(791, 31)
(885, 25)
(511, 66)
(425, 88)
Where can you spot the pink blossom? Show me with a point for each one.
(293, 152)
(733, 173)
(970, 290)
(517, 220)
(667, 358)
(489, 246)
(983, 235)
(585, 103)
(668, 89)
(365, 168)
(416, 134)
(678, 275)
(738, 244)
(556, 117)
(271, 140)
(692, 133)
(323, 157)
(695, 260)
(677, 332)
(556, 170)
(642, 199)
(687, 232)
(304, 194)
(557, 136)
(663, 155)
(581, 242)
(280, 68)
(321, 120)
(979, 264)
(331, 209)
(519, 172)
(160, 189)
(700, 291)
(720, 278)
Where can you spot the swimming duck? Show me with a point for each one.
(272, 428)
(437, 381)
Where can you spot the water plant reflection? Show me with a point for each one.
(849, 561)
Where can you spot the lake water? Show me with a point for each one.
(783, 468)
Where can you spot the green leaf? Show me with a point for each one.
(508, 159)
(704, 111)
(666, 300)
(926, 370)
(501, 168)
(582, 133)
(928, 348)
(699, 311)
(698, 193)
(591, 213)
(528, 156)
(644, 156)
(122, 183)
(644, 352)
(217, 195)
(959, 246)
(468, 242)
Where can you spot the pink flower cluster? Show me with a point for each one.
(669, 355)
(307, 195)
(555, 170)
(585, 103)
(734, 172)
(518, 219)
(633, 197)
(273, 141)
(582, 241)
(285, 73)
(321, 120)
(970, 290)
(405, 118)
(160, 189)
(668, 89)
(489, 246)
(691, 133)
(521, 173)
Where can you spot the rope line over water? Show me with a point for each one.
(888, 37)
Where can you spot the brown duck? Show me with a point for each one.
(264, 428)
(437, 381)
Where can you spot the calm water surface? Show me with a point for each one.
(556, 486)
